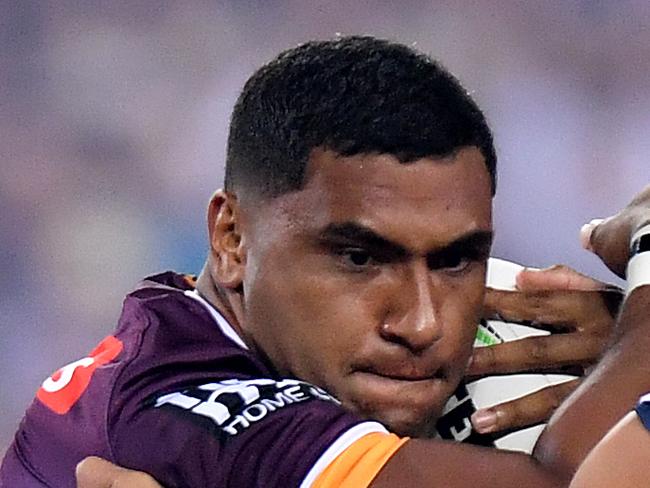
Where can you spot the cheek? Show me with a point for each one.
(463, 311)
(306, 321)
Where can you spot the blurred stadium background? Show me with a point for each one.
(114, 114)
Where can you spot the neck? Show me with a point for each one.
(226, 300)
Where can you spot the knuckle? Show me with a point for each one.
(484, 359)
(538, 303)
(559, 392)
(497, 300)
(555, 396)
(510, 415)
(538, 350)
(596, 345)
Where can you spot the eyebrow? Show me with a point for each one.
(353, 233)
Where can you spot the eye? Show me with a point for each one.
(459, 263)
(355, 257)
(453, 262)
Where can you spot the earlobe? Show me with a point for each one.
(227, 247)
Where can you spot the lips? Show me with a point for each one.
(403, 396)
(404, 373)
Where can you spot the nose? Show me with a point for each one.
(413, 320)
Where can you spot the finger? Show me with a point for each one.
(546, 310)
(605, 241)
(94, 472)
(536, 354)
(555, 278)
(528, 410)
(610, 239)
(552, 310)
(586, 231)
(514, 306)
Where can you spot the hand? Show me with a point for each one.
(578, 311)
(609, 239)
(94, 472)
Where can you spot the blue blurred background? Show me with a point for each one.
(114, 114)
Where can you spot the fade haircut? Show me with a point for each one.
(353, 95)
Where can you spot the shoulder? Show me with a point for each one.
(176, 340)
(287, 429)
(196, 395)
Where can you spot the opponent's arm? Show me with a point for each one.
(624, 373)
(621, 458)
(606, 395)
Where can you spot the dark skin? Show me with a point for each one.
(234, 221)
(621, 459)
(94, 472)
(622, 375)
(398, 315)
(577, 310)
(369, 281)
(581, 421)
(416, 317)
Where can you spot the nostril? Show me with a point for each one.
(404, 338)
(412, 319)
(390, 334)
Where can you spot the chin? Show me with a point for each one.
(410, 425)
(403, 420)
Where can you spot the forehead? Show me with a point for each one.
(416, 203)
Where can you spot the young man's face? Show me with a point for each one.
(369, 281)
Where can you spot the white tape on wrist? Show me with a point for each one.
(638, 268)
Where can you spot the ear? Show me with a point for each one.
(227, 249)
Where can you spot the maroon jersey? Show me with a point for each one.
(175, 392)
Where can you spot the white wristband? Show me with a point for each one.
(638, 268)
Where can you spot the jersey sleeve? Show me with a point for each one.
(643, 410)
(253, 433)
(354, 459)
(194, 409)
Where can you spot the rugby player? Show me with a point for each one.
(336, 312)
(621, 458)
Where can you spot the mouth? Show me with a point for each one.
(395, 385)
(407, 401)
(401, 374)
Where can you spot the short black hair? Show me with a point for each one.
(352, 95)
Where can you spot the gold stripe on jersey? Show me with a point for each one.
(358, 465)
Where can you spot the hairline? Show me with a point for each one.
(256, 196)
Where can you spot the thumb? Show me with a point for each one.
(609, 240)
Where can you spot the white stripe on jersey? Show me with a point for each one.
(223, 324)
